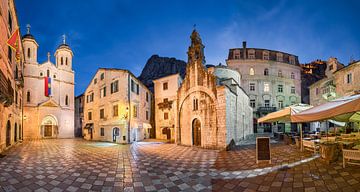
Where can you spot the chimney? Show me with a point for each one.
(244, 49)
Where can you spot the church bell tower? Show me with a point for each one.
(63, 56)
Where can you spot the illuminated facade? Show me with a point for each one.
(11, 79)
(117, 107)
(212, 110)
(272, 79)
(48, 92)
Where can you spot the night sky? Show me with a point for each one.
(124, 34)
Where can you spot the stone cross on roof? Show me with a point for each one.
(64, 39)
(28, 26)
(48, 55)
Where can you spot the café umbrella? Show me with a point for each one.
(285, 114)
(345, 109)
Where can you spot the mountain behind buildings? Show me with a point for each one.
(311, 73)
(157, 67)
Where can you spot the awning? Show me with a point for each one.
(345, 109)
(284, 115)
(89, 126)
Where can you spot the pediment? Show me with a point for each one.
(49, 103)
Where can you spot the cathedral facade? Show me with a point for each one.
(212, 109)
(48, 92)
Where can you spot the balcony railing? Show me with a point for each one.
(266, 109)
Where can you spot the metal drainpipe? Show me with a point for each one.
(129, 100)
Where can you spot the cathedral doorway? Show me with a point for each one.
(49, 127)
(116, 133)
(196, 132)
(8, 133)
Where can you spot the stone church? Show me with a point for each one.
(48, 92)
(212, 109)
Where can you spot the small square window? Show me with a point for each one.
(165, 86)
(166, 116)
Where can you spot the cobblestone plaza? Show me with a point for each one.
(78, 165)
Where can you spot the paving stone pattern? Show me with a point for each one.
(78, 165)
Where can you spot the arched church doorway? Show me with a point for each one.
(8, 133)
(49, 127)
(116, 133)
(196, 132)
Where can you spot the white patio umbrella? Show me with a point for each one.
(345, 109)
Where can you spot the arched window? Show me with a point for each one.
(266, 72)
(61, 61)
(41, 74)
(292, 75)
(66, 100)
(252, 72)
(195, 104)
(28, 52)
(279, 73)
(28, 97)
(66, 61)
(48, 73)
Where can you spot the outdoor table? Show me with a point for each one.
(350, 138)
(346, 144)
(307, 138)
(357, 147)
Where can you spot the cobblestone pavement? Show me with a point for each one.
(77, 165)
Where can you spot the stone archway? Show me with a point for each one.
(8, 133)
(196, 132)
(49, 127)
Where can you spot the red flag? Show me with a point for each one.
(14, 43)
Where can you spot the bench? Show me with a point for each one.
(350, 155)
(310, 145)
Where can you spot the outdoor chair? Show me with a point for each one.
(311, 146)
(349, 155)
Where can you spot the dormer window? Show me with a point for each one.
(251, 54)
(266, 55)
(292, 60)
(279, 57)
(236, 54)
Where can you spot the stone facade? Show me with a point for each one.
(340, 81)
(272, 79)
(211, 106)
(11, 80)
(79, 115)
(117, 107)
(166, 106)
(48, 92)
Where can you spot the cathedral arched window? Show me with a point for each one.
(48, 73)
(266, 72)
(28, 52)
(62, 61)
(66, 61)
(28, 97)
(66, 100)
(252, 72)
